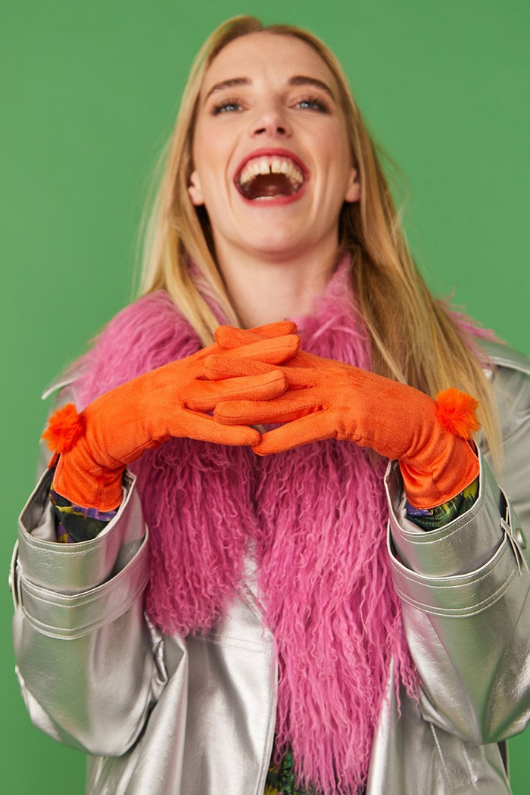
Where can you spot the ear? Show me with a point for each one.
(353, 188)
(195, 190)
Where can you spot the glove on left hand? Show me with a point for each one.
(327, 399)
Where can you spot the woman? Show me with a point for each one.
(283, 645)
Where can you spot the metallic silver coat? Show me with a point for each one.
(164, 715)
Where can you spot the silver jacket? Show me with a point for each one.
(165, 715)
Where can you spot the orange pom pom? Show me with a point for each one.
(457, 412)
(64, 429)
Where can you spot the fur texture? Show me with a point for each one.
(457, 412)
(316, 517)
(64, 429)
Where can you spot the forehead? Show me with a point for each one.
(266, 55)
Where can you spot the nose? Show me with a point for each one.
(270, 122)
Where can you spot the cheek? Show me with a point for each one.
(211, 158)
(211, 145)
(331, 146)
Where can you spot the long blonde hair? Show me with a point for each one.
(413, 338)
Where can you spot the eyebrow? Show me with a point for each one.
(235, 81)
(302, 80)
(297, 80)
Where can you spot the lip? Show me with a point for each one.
(271, 152)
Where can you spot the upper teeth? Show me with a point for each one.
(271, 165)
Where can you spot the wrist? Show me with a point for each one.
(84, 483)
(435, 518)
(429, 484)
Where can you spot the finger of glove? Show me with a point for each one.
(275, 329)
(206, 429)
(274, 351)
(253, 412)
(303, 377)
(313, 428)
(231, 337)
(217, 367)
(205, 395)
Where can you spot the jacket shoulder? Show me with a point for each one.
(65, 378)
(503, 356)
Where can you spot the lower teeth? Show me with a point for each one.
(268, 198)
(269, 186)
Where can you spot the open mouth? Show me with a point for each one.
(269, 177)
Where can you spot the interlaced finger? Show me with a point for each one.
(287, 407)
(277, 329)
(217, 367)
(231, 337)
(300, 377)
(313, 428)
(205, 395)
(274, 351)
(206, 429)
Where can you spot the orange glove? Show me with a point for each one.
(331, 400)
(116, 428)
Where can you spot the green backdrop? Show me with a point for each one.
(89, 93)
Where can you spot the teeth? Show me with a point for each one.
(271, 165)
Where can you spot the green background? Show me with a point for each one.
(89, 94)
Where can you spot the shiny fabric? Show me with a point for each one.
(163, 715)
(205, 502)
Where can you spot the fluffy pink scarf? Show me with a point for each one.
(318, 518)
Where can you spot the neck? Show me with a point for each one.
(267, 290)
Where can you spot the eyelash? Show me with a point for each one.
(321, 106)
(222, 106)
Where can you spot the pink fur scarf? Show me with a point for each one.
(318, 518)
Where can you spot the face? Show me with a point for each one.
(272, 162)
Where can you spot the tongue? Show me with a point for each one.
(268, 185)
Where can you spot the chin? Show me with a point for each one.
(277, 244)
(277, 234)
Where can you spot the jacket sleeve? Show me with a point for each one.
(464, 590)
(89, 664)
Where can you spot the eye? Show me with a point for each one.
(227, 105)
(311, 102)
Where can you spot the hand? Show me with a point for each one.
(331, 400)
(171, 401)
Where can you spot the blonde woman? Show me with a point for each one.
(277, 559)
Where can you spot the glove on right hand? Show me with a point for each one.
(172, 401)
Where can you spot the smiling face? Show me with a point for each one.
(272, 161)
